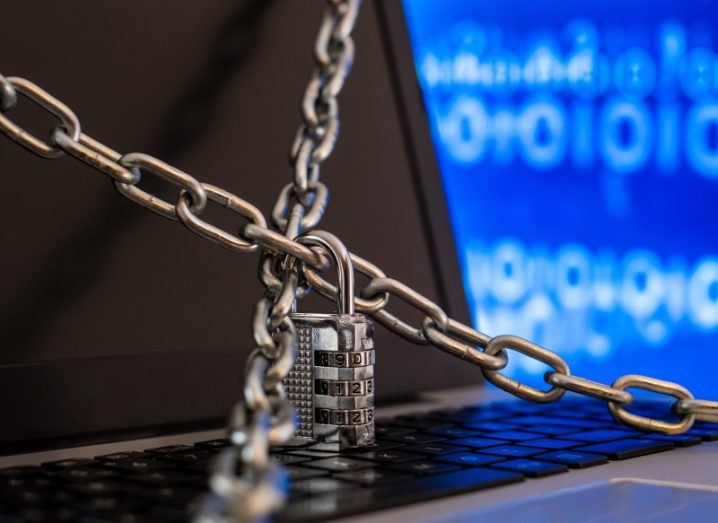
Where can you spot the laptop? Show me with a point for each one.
(546, 171)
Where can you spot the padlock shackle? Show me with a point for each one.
(345, 267)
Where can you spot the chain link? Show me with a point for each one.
(378, 286)
(244, 485)
(464, 346)
(313, 201)
(704, 410)
(300, 206)
(589, 388)
(668, 388)
(68, 120)
(95, 155)
(212, 233)
(152, 165)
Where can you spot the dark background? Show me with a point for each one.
(214, 89)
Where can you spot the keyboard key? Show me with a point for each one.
(573, 459)
(681, 440)
(552, 430)
(22, 497)
(420, 423)
(312, 453)
(121, 456)
(707, 434)
(388, 456)
(469, 459)
(380, 445)
(464, 418)
(373, 477)
(454, 432)
(296, 473)
(168, 495)
(320, 485)
(567, 422)
(511, 451)
(478, 443)
(562, 411)
(551, 443)
(415, 439)
(137, 465)
(81, 474)
(339, 464)
(21, 471)
(26, 482)
(288, 459)
(429, 487)
(654, 409)
(194, 456)
(99, 488)
(514, 407)
(168, 477)
(68, 463)
(491, 426)
(441, 413)
(117, 506)
(599, 436)
(36, 497)
(381, 429)
(424, 467)
(434, 449)
(170, 449)
(513, 435)
(605, 417)
(40, 515)
(627, 448)
(165, 513)
(532, 468)
(212, 445)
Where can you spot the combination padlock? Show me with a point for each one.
(332, 382)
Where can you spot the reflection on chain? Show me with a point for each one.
(244, 485)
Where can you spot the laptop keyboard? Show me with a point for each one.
(417, 458)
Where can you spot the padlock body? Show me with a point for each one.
(332, 382)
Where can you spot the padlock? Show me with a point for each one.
(332, 382)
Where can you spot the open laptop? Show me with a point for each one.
(548, 171)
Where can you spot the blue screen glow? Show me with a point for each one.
(578, 148)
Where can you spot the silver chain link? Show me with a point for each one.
(244, 484)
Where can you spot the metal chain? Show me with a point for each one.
(265, 414)
(244, 485)
(281, 252)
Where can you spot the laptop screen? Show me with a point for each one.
(578, 148)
